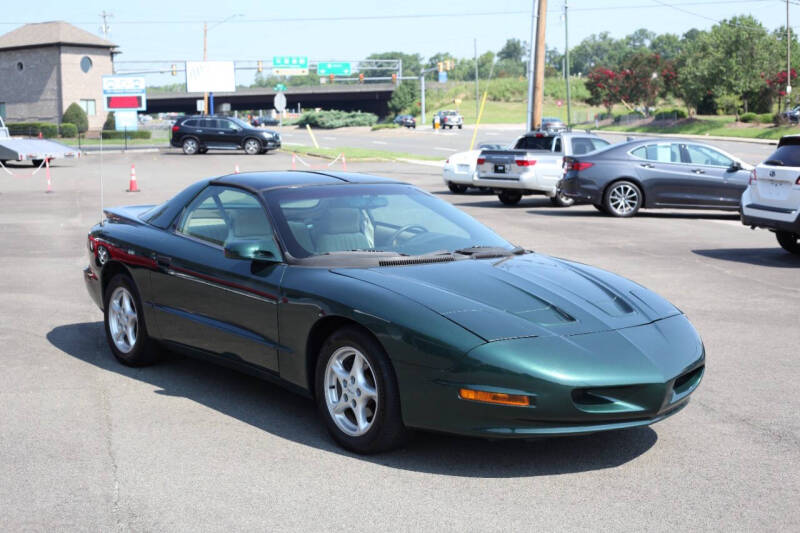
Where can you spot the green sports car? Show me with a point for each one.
(392, 309)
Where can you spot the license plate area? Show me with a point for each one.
(776, 190)
(500, 168)
(463, 168)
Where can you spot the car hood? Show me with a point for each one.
(531, 295)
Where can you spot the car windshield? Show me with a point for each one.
(395, 218)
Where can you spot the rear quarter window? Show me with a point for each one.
(534, 143)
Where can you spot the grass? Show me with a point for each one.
(158, 137)
(356, 154)
(723, 126)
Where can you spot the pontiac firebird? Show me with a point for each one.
(392, 309)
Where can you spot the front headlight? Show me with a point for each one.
(267, 134)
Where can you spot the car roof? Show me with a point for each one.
(261, 181)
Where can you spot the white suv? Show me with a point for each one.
(772, 199)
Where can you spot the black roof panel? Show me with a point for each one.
(268, 180)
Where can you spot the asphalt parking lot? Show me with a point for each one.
(87, 444)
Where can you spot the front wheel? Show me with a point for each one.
(789, 241)
(561, 200)
(460, 126)
(510, 198)
(456, 188)
(126, 330)
(357, 394)
(623, 199)
(252, 147)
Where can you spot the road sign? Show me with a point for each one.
(279, 87)
(289, 62)
(280, 102)
(335, 68)
(126, 120)
(290, 71)
(124, 93)
(443, 77)
(210, 77)
(201, 105)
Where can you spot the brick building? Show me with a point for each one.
(45, 67)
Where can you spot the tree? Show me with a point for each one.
(404, 98)
(434, 60)
(412, 63)
(603, 85)
(111, 123)
(641, 38)
(76, 115)
(597, 51)
(513, 50)
(666, 45)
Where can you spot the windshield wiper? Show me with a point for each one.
(774, 162)
(482, 250)
(364, 250)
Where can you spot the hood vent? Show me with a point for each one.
(402, 261)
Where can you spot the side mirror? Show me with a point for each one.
(735, 166)
(264, 250)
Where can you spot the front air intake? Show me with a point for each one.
(402, 261)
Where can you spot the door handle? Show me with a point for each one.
(698, 171)
(163, 261)
(647, 165)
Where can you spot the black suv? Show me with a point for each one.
(200, 133)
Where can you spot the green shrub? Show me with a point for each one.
(33, 129)
(628, 117)
(748, 117)
(110, 123)
(138, 134)
(76, 115)
(69, 130)
(765, 118)
(385, 126)
(337, 119)
(671, 114)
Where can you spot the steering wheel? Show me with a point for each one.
(408, 227)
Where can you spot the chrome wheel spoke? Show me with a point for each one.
(351, 392)
(361, 416)
(123, 320)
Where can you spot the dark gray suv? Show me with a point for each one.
(200, 133)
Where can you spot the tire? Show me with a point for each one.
(560, 200)
(36, 162)
(126, 331)
(789, 241)
(510, 198)
(381, 427)
(622, 199)
(252, 146)
(460, 126)
(190, 146)
(600, 208)
(202, 151)
(456, 188)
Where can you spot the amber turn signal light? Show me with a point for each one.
(494, 397)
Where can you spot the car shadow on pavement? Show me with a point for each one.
(594, 213)
(492, 201)
(770, 257)
(290, 416)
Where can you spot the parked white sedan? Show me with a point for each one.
(459, 168)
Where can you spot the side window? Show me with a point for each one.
(640, 152)
(582, 146)
(662, 153)
(208, 123)
(220, 213)
(227, 125)
(703, 155)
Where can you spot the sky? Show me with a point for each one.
(351, 29)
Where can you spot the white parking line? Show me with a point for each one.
(329, 138)
(379, 142)
(443, 149)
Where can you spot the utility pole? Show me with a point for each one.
(529, 114)
(205, 58)
(105, 28)
(788, 58)
(566, 63)
(477, 104)
(422, 98)
(538, 89)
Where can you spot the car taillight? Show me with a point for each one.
(481, 160)
(578, 165)
(525, 162)
(446, 161)
(752, 177)
(175, 128)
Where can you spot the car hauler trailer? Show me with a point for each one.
(34, 150)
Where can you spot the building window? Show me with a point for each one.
(20, 66)
(86, 64)
(88, 107)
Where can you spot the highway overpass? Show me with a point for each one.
(370, 97)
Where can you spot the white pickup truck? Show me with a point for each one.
(533, 166)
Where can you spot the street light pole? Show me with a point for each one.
(566, 63)
(788, 58)
(529, 115)
(477, 104)
(205, 58)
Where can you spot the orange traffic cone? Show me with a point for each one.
(40, 134)
(47, 167)
(344, 163)
(294, 161)
(132, 186)
(236, 169)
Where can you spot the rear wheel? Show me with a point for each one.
(36, 162)
(460, 126)
(357, 393)
(126, 330)
(190, 146)
(789, 241)
(455, 188)
(510, 198)
(622, 199)
(252, 147)
(562, 200)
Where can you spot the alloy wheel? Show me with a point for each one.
(623, 199)
(123, 320)
(190, 146)
(351, 391)
(252, 146)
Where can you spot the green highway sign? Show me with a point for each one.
(335, 68)
(289, 62)
(279, 87)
